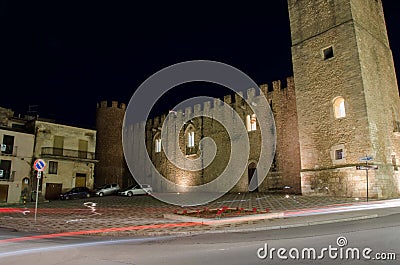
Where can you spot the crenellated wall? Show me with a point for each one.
(286, 168)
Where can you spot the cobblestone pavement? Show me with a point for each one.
(143, 215)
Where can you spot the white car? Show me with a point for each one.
(136, 190)
(107, 189)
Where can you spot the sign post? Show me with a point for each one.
(39, 165)
(366, 168)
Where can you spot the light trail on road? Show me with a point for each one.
(97, 231)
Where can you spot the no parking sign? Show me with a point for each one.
(39, 165)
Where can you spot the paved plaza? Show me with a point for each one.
(144, 215)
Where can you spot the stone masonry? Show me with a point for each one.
(342, 105)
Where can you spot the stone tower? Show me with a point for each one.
(111, 167)
(347, 97)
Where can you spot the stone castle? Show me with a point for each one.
(341, 105)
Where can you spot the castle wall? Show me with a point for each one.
(287, 170)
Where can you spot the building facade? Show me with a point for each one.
(69, 153)
(15, 164)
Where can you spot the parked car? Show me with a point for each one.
(107, 189)
(136, 190)
(77, 192)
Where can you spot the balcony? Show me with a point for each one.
(67, 153)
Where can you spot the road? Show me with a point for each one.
(380, 234)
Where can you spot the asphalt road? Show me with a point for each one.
(381, 235)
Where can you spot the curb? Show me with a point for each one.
(224, 221)
(256, 229)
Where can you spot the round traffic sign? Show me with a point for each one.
(39, 165)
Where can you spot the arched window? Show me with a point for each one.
(339, 108)
(190, 142)
(157, 145)
(251, 122)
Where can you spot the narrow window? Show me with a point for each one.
(394, 162)
(328, 53)
(157, 145)
(339, 108)
(339, 154)
(396, 123)
(53, 167)
(190, 139)
(251, 122)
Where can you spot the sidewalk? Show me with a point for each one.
(144, 215)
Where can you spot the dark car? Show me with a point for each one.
(77, 192)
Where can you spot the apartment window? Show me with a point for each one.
(251, 122)
(53, 167)
(339, 154)
(157, 146)
(339, 108)
(190, 139)
(83, 149)
(8, 144)
(58, 145)
(5, 169)
(328, 53)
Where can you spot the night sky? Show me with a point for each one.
(66, 56)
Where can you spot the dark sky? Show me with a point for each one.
(66, 56)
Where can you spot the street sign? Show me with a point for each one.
(39, 165)
(365, 158)
(369, 167)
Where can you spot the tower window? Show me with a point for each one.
(190, 139)
(339, 108)
(157, 146)
(396, 123)
(251, 122)
(339, 154)
(328, 53)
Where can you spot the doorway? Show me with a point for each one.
(80, 180)
(53, 191)
(252, 173)
(3, 193)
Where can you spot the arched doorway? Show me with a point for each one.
(252, 171)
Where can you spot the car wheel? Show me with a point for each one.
(101, 194)
(129, 194)
(67, 197)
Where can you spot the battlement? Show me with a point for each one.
(111, 104)
(234, 100)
